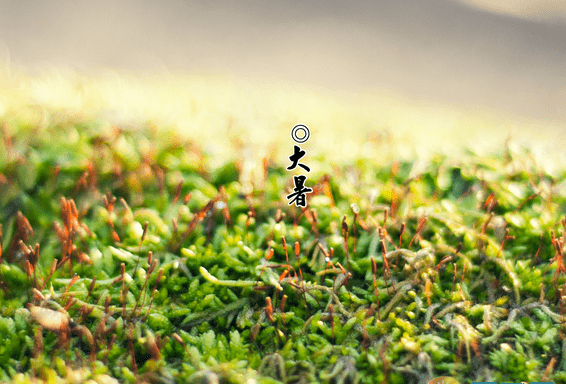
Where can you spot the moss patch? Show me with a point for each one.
(172, 271)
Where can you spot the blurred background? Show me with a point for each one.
(439, 74)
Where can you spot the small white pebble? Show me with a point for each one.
(355, 208)
(49, 319)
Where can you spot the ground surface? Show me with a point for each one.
(130, 253)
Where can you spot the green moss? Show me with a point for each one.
(453, 296)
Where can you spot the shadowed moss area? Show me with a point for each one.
(127, 256)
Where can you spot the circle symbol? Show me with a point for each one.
(306, 133)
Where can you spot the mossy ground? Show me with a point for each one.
(397, 272)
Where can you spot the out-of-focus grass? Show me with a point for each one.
(226, 114)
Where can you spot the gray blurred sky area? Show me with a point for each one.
(432, 49)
